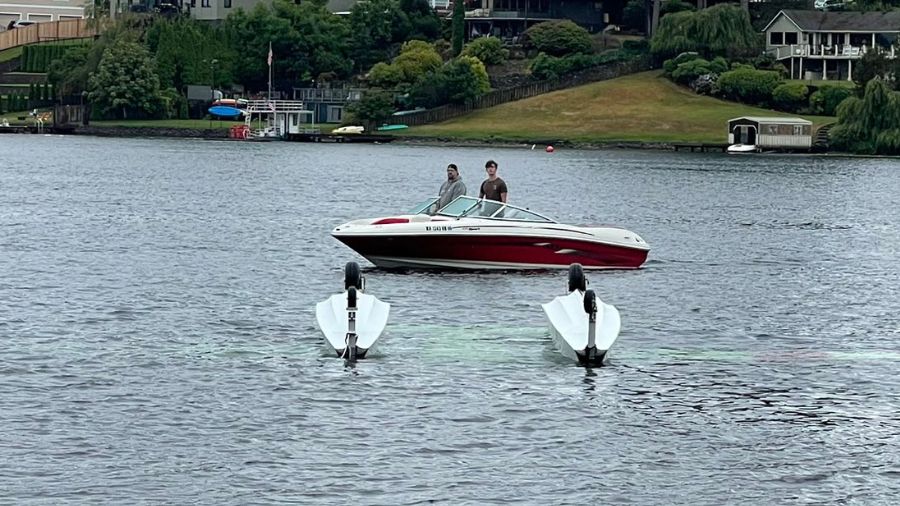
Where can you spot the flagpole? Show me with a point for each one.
(270, 71)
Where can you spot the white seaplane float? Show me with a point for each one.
(352, 321)
(582, 326)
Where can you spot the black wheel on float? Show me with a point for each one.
(351, 296)
(590, 302)
(352, 275)
(576, 278)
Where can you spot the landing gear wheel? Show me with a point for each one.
(352, 275)
(576, 278)
(351, 297)
(590, 302)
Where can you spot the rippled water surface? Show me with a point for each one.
(158, 342)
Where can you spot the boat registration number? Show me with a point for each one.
(438, 228)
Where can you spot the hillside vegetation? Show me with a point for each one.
(643, 107)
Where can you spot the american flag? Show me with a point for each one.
(270, 54)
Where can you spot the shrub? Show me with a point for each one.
(670, 65)
(689, 71)
(828, 97)
(749, 86)
(558, 38)
(790, 96)
(718, 65)
(487, 49)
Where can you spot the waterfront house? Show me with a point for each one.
(327, 104)
(507, 19)
(824, 45)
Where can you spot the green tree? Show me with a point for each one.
(319, 41)
(721, 30)
(375, 106)
(188, 51)
(376, 27)
(424, 22)
(458, 81)
(416, 59)
(249, 35)
(459, 26)
(125, 81)
(70, 73)
(873, 64)
(870, 124)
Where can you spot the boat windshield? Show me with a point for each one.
(424, 207)
(471, 207)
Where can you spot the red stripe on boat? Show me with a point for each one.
(388, 221)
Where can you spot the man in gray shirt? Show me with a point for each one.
(451, 188)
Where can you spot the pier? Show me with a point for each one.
(703, 147)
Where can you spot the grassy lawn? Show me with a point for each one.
(642, 107)
(10, 54)
(169, 123)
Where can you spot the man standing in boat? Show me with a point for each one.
(493, 188)
(451, 188)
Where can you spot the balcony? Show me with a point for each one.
(821, 51)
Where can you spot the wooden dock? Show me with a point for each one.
(320, 137)
(703, 147)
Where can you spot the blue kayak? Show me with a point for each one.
(224, 111)
(384, 128)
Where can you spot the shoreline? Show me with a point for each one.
(219, 134)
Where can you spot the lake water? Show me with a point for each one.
(158, 339)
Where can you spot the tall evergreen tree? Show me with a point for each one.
(459, 26)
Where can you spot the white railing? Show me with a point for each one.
(840, 51)
(271, 106)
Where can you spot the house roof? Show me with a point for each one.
(842, 21)
(767, 120)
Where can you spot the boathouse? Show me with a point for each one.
(782, 133)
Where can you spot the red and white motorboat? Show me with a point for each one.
(471, 233)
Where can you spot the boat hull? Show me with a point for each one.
(570, 325)
(371, 318)
(453, 251)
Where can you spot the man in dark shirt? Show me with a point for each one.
(493, 188)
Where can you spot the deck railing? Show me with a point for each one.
(47, 32)
(839, 51)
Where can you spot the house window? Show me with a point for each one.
(790, 38)
(335, 113)
(798, 129)
(227, 4)
(776, 38)
(193, 3)
(205, 3)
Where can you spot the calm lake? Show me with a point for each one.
(158, 340)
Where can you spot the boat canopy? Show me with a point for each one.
(471, 207)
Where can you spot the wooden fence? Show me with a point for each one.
(497, 97)
(46, 32)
